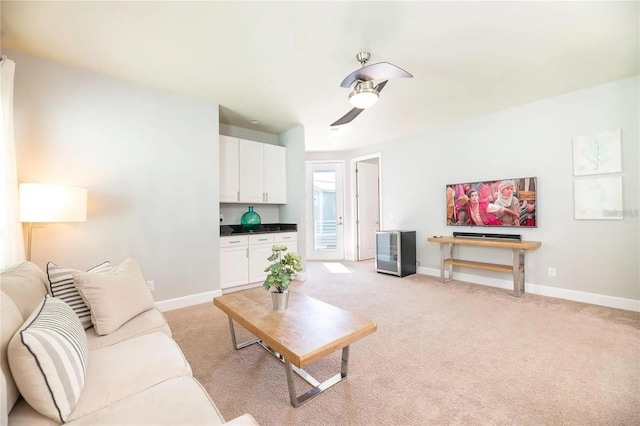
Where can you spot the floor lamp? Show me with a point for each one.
(51, 203)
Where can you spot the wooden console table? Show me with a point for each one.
(517, 268)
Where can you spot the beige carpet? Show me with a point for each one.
(454, 353)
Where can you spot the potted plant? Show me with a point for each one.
(282, 268)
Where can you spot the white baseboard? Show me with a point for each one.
(543, 290)
(185, 301)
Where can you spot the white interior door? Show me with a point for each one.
(367, 205)
(325, 211)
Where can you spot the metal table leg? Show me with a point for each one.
(318, 387)
(297, 401)
(233, 338)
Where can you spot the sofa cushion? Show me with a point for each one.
(25, 284)
(133, 365)
(114, 297)
(178, 401)
(24, 415)
(48, 357)
(61, 285)
(11, 322)
(147, 322)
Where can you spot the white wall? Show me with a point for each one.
(294, 210)
(249, 134)
(593, 256)
(149, 160)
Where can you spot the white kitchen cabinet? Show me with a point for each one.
(243, 258)
(260, 246)
(287, 239)
(251, 162)
(275, 174)
(234, 261)
(229, 170)
(263, 173)
(252, 172)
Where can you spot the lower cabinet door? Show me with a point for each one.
(289, 240)
(292, 247)
(234, 266)
(258, 255)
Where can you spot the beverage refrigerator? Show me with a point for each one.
(396, 252)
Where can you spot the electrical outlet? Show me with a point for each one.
(552, 272)
(151, 284)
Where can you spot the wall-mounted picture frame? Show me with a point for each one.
(597, 154)
(598, 198)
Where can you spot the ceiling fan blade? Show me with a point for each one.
(379, 71)
(348, 117)
(381, 85)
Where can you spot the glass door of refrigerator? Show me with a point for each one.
(387, 251)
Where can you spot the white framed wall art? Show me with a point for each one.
(598, 198)
(597, 154)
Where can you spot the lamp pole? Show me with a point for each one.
(29, 242)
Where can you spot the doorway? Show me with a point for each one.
(367, 196)
(325, 211)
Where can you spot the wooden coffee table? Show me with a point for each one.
(303, 334)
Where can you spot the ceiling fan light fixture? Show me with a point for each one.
(363, 95)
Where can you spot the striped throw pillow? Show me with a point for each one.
(48, 359)
(61, 285)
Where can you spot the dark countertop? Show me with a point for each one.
(265, 228)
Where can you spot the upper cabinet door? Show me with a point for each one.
(229, 170)
(251, 171)
(275, 178)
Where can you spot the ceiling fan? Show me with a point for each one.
(364, 93)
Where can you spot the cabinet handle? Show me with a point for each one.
(234, 242)
(262, 239)
(286, 238)
(238, 196)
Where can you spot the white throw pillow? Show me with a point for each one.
(114, 297)
(61, 285)
(48, 359)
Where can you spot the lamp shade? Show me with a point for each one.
(363, 95)
(52, 203)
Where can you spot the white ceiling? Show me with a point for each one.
(282, 62)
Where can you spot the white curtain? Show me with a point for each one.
(11, 239)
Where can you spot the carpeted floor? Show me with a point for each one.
(454, 353)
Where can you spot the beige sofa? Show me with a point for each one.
(135, 375)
